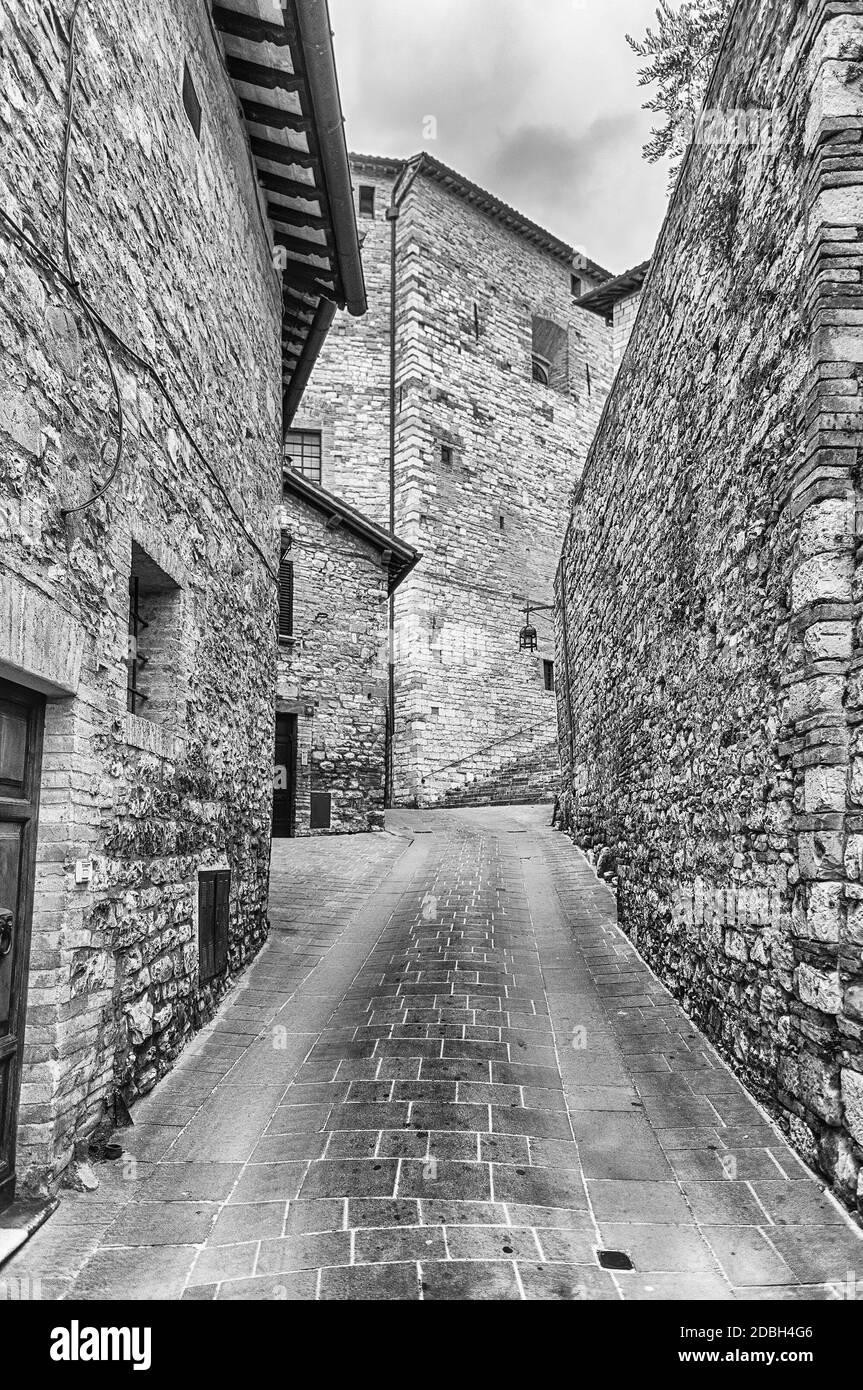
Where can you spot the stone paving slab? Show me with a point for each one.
(449, 1076)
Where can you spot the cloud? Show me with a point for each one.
(537, 102)
(554, 170)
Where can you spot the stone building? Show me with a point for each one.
(617, 301)
(159, 315)
(709, 591)
(338, 573)
(458, 413)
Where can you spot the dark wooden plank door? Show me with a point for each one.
(21, 721)
(285, 782)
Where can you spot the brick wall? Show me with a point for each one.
(489, 515)
(625, 314)
(709, 596)
(336, 665)
(169, 244)
(348, 397)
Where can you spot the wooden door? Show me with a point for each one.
(21, 720)
(285, 782)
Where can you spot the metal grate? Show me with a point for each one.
(135, 695)
(303, 453)
(614, 1259)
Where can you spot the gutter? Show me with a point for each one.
(313, 22)
(321, 325)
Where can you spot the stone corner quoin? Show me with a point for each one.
(709, 591)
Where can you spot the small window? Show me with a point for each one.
(548, 674)
(153, 621)
(137, 696)
(303, 453)
(286, 588)
(550, 354)
(577, 287)
(446, 455)
(321, 811)
(502, 523)
(191, 102)
(367, 200)
(214, 899)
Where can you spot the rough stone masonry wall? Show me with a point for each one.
(338, 663)
(710, 594)
(468, 705)
(169, 245)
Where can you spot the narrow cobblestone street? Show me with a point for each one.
(448, 1076)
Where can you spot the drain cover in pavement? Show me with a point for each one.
(614, 1259)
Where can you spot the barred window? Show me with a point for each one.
(303, 453)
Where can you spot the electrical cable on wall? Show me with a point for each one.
(100, 326)
(70, 265)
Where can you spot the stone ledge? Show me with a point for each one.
(152, 738)
(40, 646)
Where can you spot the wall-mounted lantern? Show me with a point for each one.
(528, 638)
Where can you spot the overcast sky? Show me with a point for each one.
(536, 100)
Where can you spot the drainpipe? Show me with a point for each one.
(566, 672)
(400, 189)
(392, 217)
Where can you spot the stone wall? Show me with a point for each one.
(486, 459)
(170, 246)
(709, 597)
(336, 666)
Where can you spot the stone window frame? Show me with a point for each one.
(163, 737)
(316, 424)
(552, 370)
(447, 452)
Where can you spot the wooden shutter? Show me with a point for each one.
(220, 926)
(286, 588)
(321, 811)
(206, 922)
(214, 899)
